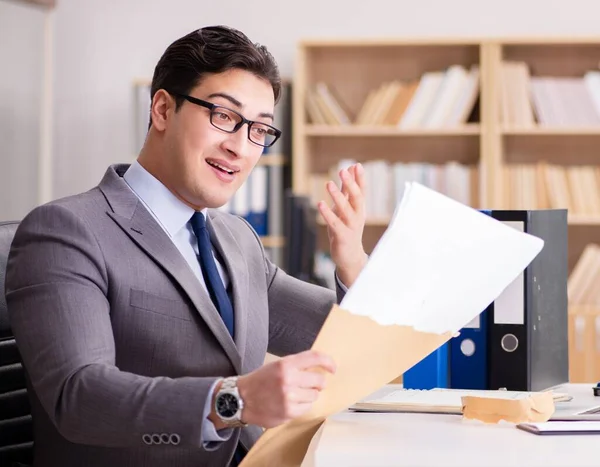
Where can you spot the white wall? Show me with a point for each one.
(21, 51)
(103, 45)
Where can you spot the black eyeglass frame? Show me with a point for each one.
(243, 120)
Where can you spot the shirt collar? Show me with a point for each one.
(172, 213)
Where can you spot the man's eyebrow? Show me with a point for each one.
(238, 104)
(231, 99)
(266, 115)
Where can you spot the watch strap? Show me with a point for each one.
(229, 385)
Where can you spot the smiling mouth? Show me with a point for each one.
(220, 167)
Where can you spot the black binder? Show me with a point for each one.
(300, 228)
(527, 323)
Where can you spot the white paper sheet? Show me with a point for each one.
(443, 397)
(438, 265)
(565, 427)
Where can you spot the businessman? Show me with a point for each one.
(143, 314)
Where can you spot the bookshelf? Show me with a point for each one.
(357, 75)
(556, 132)
(537, 106)
(503, 123)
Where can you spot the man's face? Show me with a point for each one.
(198, 152)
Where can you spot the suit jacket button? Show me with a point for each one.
(175, 439)
(147, 439)
(156, 439)
(164, 438)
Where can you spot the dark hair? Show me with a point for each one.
(213, 49)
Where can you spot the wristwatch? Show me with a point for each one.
(229, 403)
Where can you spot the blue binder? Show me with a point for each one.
(429, 373)
(468, 353)
(468, 356)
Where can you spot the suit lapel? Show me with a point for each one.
(141, 227)
(237, 269)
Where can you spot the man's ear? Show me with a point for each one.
(163, 107)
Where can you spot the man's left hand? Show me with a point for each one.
(346, 222)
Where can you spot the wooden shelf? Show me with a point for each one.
(376, 131)
(373, 222)
(584, 220)
(272, 160)
(552, 131)
(369, 42)
(574, 219)
(440, 41)
(273, 241)
(378, 222)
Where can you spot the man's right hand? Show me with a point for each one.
(285, 389)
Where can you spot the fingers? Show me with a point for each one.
(331, 218)
(294, 377)
(343, 175)
(303, 396)
(292, 409)
(359, 176)
(311, 380)
(342, 207)
(353, 184)
(284, 389)
(349, 205)
(311, 359)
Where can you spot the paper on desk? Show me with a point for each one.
(563, 427)
(438, 265)
(441, 400)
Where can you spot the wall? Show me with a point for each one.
(21, 52)
(103, 45)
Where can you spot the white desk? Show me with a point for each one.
(380, 439)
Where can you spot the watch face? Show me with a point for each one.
(227, 405)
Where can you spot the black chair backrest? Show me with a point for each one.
(16, 429)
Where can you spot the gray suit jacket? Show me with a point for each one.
(120, 341)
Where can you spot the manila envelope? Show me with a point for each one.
(384, 353)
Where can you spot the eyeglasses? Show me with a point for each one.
(231, 121)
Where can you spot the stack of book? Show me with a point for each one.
(542, 186)
(386, 181)
(584, 316)
(548, 100)
(438, 99)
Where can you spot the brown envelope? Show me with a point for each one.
(368, 356)
(537, 407)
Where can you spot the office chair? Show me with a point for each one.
(16, 427)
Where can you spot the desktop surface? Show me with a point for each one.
(390, 439)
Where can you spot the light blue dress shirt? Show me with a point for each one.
(173, 215)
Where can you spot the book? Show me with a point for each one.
(437, 400)
(562, 428)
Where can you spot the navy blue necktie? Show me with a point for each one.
(213, 280)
